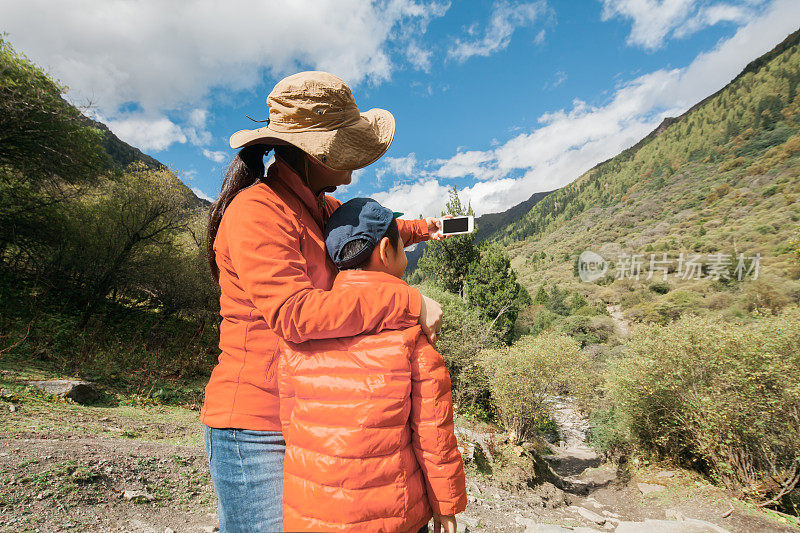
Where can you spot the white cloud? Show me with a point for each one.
(419, 57)
(217, 157)
(505, 19)
(559, 78)
(426, 197)
(655, 20)
(200, 194)
(147, 133)
(166, 57)
(402, 167)
(475, 163)
(569, 142)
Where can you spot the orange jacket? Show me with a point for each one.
(276, 281)
(368, 423)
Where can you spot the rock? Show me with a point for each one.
(649, 488)
(672, 514)
(12, 408)
(610, 514)
(478, 440)
(137, 496)
(553, 528)
(666, 474)
(76, 390)
(525, 522)
(138, 525)
(169, 530)
(551, 496)
(210, 529)
(467, 522)
(589, 515)
(670, 526)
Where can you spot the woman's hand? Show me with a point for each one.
(430, 318)
(435, 227)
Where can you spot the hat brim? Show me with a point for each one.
(347, 148)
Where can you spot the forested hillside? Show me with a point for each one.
(102, 257)
(720, 179)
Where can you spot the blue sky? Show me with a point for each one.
(502, 99)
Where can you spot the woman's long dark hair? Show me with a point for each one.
(246, 169)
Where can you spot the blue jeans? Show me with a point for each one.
(247, 471)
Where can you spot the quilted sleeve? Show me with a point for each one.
(433, 438)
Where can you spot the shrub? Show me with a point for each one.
(524, 376)
(769, 190)
(660, 287)
(716, 395)
(588, 330)
(464, 334)
(732, 163)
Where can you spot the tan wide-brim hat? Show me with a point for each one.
(316, 112)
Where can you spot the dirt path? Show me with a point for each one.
(612, 499)
(622, 325)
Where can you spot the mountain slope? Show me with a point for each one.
(723, 178)
(123, 155)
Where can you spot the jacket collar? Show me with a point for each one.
(280, 171)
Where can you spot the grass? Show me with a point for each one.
(139, 357)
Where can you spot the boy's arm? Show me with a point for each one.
(433, 439)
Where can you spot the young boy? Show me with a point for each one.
(368, 420)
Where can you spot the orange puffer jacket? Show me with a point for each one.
(368, 423)
(276, 282)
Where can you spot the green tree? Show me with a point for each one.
(446, 263)
(119, 233)
(492, 288)
(557, 301)
(541, 296)
(47, 154)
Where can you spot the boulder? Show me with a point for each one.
(138, 496)
(649, 488)
(76, 390)
(589, 515)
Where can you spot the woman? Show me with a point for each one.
(267, 251)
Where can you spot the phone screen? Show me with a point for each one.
(455, 225)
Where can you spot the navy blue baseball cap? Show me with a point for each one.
(359, 218)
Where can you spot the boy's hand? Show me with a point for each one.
(444, 523)
(430, 318)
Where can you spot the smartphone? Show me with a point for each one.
(457, 225)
